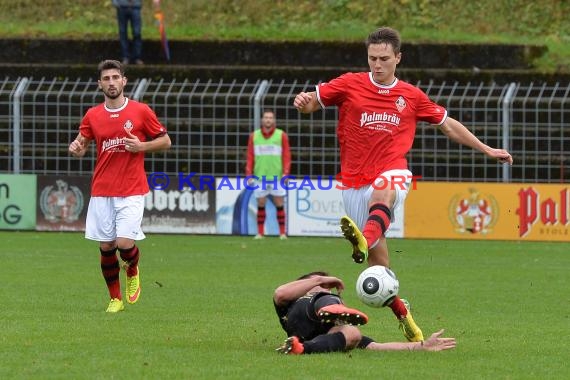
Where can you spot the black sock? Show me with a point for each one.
(325, 343)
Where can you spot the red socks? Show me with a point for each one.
(398, 308)
(377, 223)
(110, 269)
(131, 257)
(281, 219)
(260, 220)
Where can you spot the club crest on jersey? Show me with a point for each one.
(400, 103)
(128, 125)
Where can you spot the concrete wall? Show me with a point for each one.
(308, 61)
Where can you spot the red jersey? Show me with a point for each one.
(119, 173)
(376, 124)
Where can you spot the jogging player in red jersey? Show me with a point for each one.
(123, 131)
(378, 114)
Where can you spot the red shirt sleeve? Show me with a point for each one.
(85, 127)
(429, 111)
(333, 92)
(285, 154)
(153, 126)
(250, 157)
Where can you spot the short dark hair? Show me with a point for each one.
(109, 64)
(312, 274)
(385, 35)
(268, 110)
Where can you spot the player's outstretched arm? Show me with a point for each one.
(457, 132)
(79, 146)
(434, 343)
(306, 102)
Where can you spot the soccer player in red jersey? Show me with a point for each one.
(378, 114)
(121, 129)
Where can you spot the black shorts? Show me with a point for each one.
(301, 318)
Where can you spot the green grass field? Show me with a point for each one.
(205, 310)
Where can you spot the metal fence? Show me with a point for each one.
(209, 123)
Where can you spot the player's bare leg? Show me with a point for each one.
(379, 255)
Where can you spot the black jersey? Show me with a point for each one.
(299, 318)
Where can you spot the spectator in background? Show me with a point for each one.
(268, 159)
(129, 11)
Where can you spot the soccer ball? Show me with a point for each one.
(377, 286)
